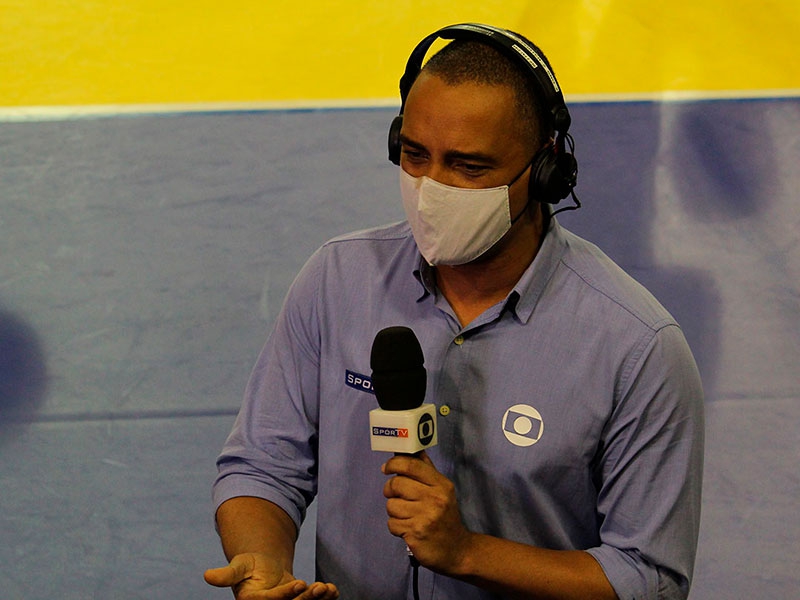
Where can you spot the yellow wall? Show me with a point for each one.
(78, 52)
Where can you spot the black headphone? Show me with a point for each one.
(554, 171)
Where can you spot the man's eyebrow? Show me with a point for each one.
(473, 157)
(406, 141)
(452, 155)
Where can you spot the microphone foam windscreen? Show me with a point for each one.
(398, 375)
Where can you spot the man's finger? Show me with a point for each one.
(403, 487)
(398, 508)
(321, 590)
(425, 458)
(419, 468)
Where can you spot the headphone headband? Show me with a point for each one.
(509, 43)
(554, 170)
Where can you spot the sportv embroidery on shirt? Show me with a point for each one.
(358, 381)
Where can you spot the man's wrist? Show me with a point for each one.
(465, 564)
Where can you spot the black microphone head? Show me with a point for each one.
(398, 375)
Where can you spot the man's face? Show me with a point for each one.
(464, 135)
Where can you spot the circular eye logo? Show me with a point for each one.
(426, 428)
(523, 425)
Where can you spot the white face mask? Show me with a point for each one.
(452, 225)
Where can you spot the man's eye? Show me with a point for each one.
(412, 154)
(473, 169)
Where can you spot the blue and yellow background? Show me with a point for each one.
(167, 167)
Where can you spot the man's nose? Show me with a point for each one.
(440, 173)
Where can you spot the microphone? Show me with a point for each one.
(402, 424)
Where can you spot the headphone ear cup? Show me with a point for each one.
(394, 139)
(553, 175)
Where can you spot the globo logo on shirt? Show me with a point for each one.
(523, 425)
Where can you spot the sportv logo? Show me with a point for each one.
(358, 381)
(390, 432)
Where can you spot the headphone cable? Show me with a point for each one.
(570, 143)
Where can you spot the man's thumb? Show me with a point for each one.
(238, 569)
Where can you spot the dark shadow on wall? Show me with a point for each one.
(728, 158)
(733, 165)
(617, 147)
(23, 374)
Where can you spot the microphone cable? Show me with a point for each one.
(414, 574)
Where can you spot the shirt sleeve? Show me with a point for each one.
(650, 472)
(271, 452)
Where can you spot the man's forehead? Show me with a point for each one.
(467, 117)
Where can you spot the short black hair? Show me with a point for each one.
(463, 61)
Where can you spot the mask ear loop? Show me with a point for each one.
(576, 202)
(522, 212)
(528, 202)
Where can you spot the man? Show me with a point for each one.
(570, 429)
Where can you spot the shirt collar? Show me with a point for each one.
(426, 277)
(522, 299)
(531, 285)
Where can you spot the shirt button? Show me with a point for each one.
(444, 410)
(459, 340)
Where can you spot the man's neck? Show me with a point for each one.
(474, 287)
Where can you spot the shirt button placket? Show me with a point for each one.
(444, 409)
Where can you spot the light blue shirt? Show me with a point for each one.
(573, 419)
